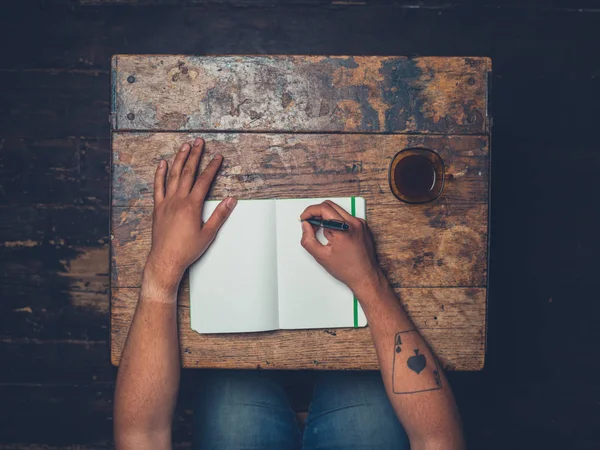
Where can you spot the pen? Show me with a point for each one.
(331, 224)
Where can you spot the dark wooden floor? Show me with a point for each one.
(540, 387)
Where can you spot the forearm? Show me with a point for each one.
(414, 380)
(148, 378)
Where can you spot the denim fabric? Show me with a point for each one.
(351, 411)
(250, 410)
(244, 410)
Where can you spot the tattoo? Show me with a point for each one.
(417, 363)
(414, 371)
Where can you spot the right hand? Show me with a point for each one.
(349, 255)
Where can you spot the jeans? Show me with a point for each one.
(250, 410)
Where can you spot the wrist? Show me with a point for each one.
(161, 278)
(371, 287)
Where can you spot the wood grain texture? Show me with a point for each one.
(301, 93)
(53, 292)
(69, 171)
(54, 104)
(57, 361)
(568, 5)
(276, 165)
(414, 253)
(63, 414)
(55, 39)
(452, 321)
(439, 244)
(54, 265)
(98, 445)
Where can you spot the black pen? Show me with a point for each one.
(331, 224)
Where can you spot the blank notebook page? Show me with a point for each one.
(233, 287)
(309, 297)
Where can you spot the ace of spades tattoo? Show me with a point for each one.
(414, 368)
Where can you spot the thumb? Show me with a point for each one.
(309, 240)
(220, 215)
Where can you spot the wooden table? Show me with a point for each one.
(314, 126)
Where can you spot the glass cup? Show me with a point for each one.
(417, 175)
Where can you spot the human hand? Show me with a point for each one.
(349, 255)
(179, 236)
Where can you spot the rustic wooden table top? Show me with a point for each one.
(314, 126)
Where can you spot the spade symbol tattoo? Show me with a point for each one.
(417, 363)
(398, 343)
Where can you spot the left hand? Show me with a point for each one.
(179, 237)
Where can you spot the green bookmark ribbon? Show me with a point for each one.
(353, 212)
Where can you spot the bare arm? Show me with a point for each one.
(148, 378)
(414, 381)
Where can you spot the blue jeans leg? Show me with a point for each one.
(244, 410)
(350, 411)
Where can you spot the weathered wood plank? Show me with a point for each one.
(53, 225)
(43, 302)
(283, 165)
(67, 415)
(452, 321)
(439, 244)
(99, 445)
(445, 246)
(54, 171)
(60, 415)
(524, 46)
(232, 3)
(301, 93)
(54, 281)
(569, 5)
(54, 103)
(55, 362)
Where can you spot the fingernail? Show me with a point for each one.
(197, 142)
(218, 156)
(184, 148)
(161, 164)
(231, 202)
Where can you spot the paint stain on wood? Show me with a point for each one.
(304, 93)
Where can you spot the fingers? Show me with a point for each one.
(220, 215)
(323, 210)
(355, 222)
(159, 182)
(204, 181)
(188, 173)
(341, 211)
(309, 240)
(175, 172)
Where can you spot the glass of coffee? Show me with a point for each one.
(417, 175)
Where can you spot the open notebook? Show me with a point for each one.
(257, 277)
